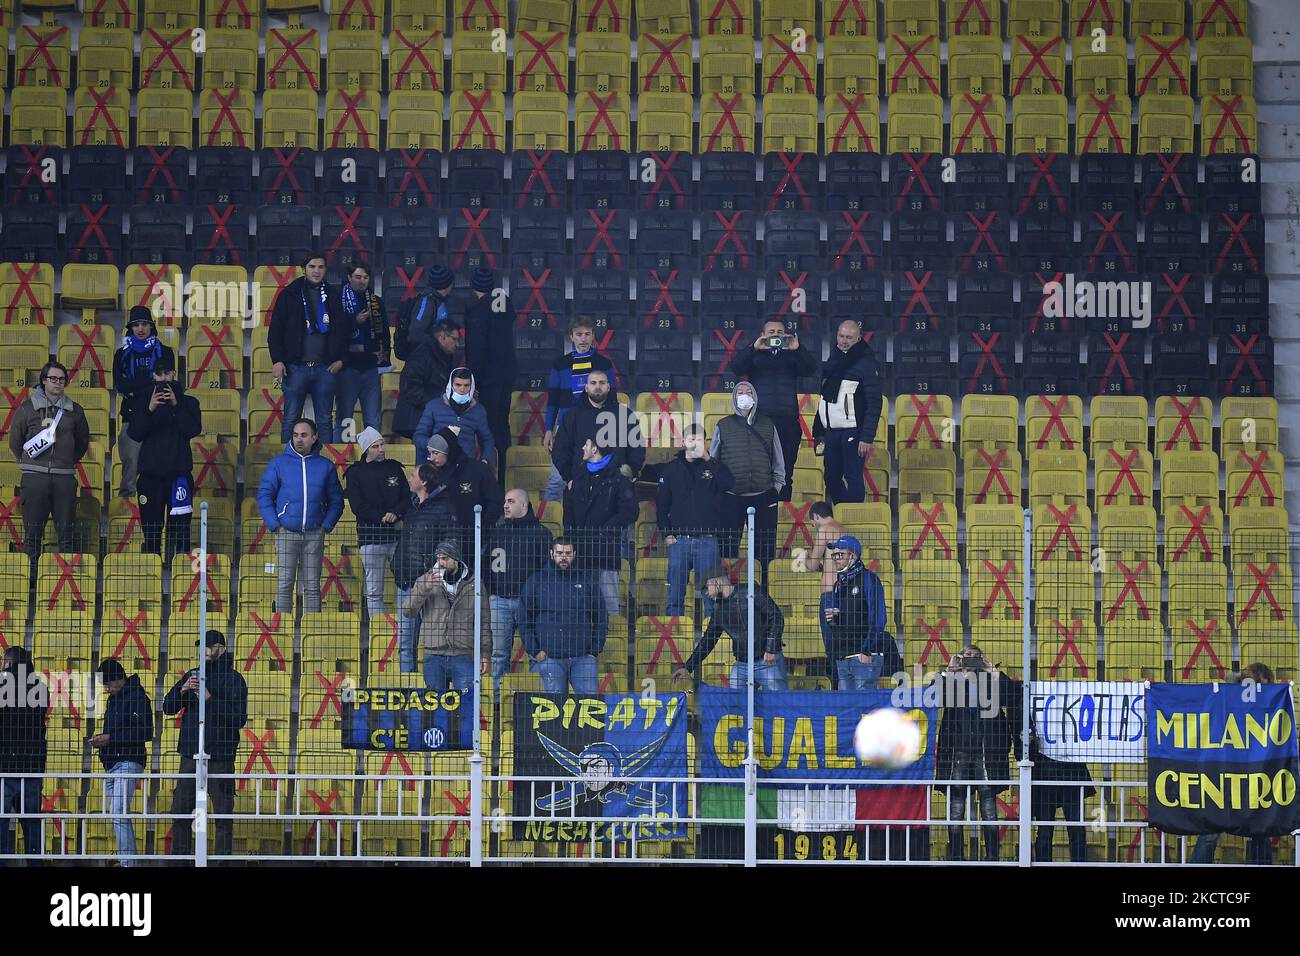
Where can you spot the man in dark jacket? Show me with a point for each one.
(731, 616)
(162, 423)
(133, 365)
(378, 495)
(426, 340)
(24, 701)
(126, 728)
(600, 416)
(466, 482)
(848, 413)
(973, 745)
(490, 352)
(601, 508)
(563, 623)
(367, 355)
(856, 618)
(308, 341)
(774, 366)
(689, 509)
(429, 519)
(518, 547)
(749, 444)
(226, 712)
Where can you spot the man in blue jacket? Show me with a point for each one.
(457, 405)
(126, 728)
(300, 500)
(856, 614)
(226, 712)
(563, 622)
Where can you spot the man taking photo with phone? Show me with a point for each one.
(163, 422)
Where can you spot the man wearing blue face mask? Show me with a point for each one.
(457, 405)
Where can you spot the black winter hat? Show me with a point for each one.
(483, 280)
(440, 278)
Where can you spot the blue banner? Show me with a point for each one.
(801, 734)
(408, 719)
(1222, 758)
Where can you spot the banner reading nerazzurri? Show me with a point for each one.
(800, 734)
(1090, 721)
(589, 742)
(407, 719)
(1222, 759)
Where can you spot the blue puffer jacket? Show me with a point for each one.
(300, 493)
(563, 614)
(475, 435)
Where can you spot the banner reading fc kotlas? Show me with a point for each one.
(1222, 759)
(591, 741)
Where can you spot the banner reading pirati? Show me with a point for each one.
(1222, 758)
(590, 742)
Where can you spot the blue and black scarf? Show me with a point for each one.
(319, 322)
(140, 354)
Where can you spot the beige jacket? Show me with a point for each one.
(447, 625)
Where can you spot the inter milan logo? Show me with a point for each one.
(597, 769)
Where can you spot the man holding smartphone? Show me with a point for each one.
(163, 421)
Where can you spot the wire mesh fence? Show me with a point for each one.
(539, 689)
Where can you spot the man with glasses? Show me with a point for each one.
(48, 437)
(855, 613)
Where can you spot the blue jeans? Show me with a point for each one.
(20, 796)
(844, 481)
(442, 672)
(1259, 850)
(767, 676)
(301, 381)
(558, 673)
(699, 552)
(119, 788)
(353, 384)
(855, 675)
(505, 621)
(408, 635)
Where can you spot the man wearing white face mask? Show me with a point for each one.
(749, 445)
(458, 405)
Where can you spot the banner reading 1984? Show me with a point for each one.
(1222, 758)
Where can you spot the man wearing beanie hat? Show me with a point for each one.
(377, 492)
(418, 317)
(857, 613)
(124, 731)
(132, 374)
(443, 599)
(490, 352)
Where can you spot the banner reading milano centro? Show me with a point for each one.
(1222, 759)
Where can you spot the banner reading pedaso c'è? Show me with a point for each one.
(407, 719)
(1222, 758)
(590, 743)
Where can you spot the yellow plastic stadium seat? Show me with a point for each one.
(168, 60)
(65, 587)
(289, 119)
(1127, 531)
(912, 64)
(604, 16)
(474, 64)
(1163, 66)
(1099, 73)
(415, 61)
(666, 123)
(221, 414)
(664, 417)
(912, 18)
(726, 65)
(39, 116)
(1037, 68)
(994, 533)
(1227, 124)
(542, 62)
(930, 618)
(26, 293)
(105, 57)
(975, 20)
(541, 121)
(661, 16)
(171, 14)
(849, 68)
(1062, 533)
(1226, 69)
(997, 591)
(414, 120)
(418, 16)
(292, 60)
(1166, 124)
(991, 476)
(332, 639)
(1053, 421)
(979, 123)
(89, 287)
(1130, 591)
(352, 119)
(87, 351)
(1063, 617)
(604, 63)
(728, 18)
(1085, 16)
(1259, 535)
(1117, 422)
(545, 16)
(478, 16)
(1263, 604)
(927, 531)
(1253, 478)
(226, 118)
(165, 118)
(1040, 124)
(989, 421)
(1059, 476)
(478, 120)
(923, 421)
(1183, 423)
(43, 57)
(662, 644)
(1162, 18)
(230, 60)
(224, 309)
(916, 123)
(153, 287)
(852, 123)
(789, 123)
(1033, 18)
(1103, 124)
(1199, 627)
(1215, 19)
(664, 64)
(926, 475)
(975, 65)
(785, 69)
(1248, 423)
(232, 15)
(1190, 478)
(603, 122)
(1124, 477)
(355, 61)
(783, 17)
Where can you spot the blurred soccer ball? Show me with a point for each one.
(888, 739)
